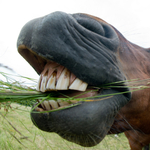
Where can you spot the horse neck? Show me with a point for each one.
(134, 60)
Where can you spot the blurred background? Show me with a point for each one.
(131, 18)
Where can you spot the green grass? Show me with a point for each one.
(12, 90)
(17, 132)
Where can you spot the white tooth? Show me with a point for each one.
(38, 84)
(43, 106)
(63, 81)
(62, 103)
(78, 85)
(53, 103)
(51, 83)
(83, 86)
(47, 106)
(43, 84)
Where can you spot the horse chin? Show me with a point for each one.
(88, 121)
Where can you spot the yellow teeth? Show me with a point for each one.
(51, 104)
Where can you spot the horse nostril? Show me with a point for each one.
(92, 25)
(96, 26)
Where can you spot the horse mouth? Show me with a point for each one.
(56, 77)
(75, 61)
(84, 116)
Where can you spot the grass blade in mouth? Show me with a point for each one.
(14, 91)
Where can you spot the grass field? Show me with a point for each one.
(18, 133)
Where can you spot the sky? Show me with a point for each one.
(130, 17)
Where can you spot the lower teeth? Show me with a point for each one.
(51, 105)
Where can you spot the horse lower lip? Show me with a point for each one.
(82, 118)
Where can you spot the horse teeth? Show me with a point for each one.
(53, 103)
(48, 81)
(39, 83)
(42, 104)
(63, 103)
(83, 86)
(39, 109)
(51, 82)
(63, 81)
(47, 106)
(78, 85)
(43, 84)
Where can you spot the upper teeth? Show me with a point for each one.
(63, 81)
(56, 77)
